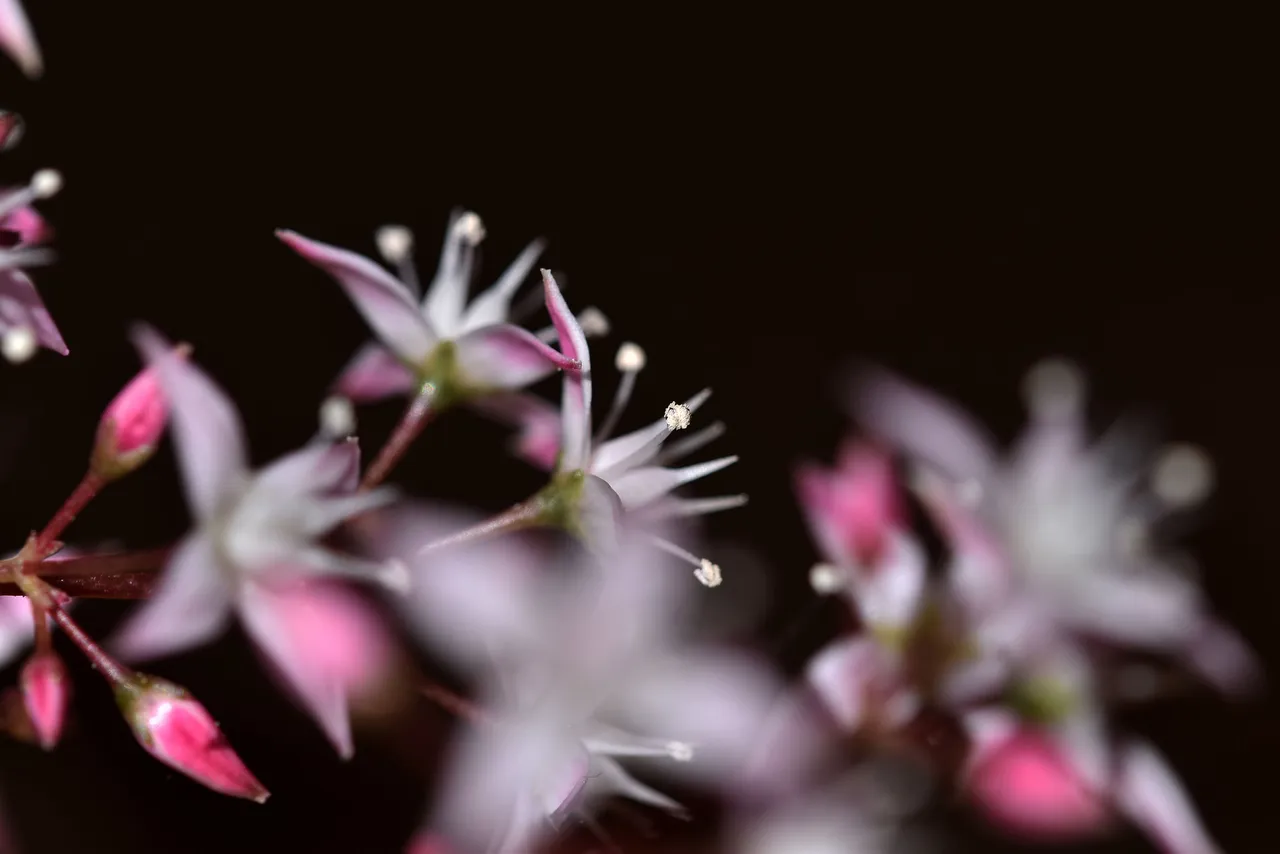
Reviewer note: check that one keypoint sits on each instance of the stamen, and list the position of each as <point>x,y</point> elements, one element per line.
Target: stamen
<point>826,579</point>
<point>629,361</point>
<point>594,323</point>
<point>43,184</point>
<point>1183,475</point>
<point>470,228</point>
<point>704,570</point>
<point>19,344</point>
<point>337,417</point>
<point>395,244</point>
<point>678,416</point>
<point>1054,389</point>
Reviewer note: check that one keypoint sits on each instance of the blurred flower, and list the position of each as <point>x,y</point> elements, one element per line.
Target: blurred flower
<point>173,727</point>
<point>255,545</point>
<point>834,819</point>
<point>580,669</point>
<point>24,321</point>
<point>46,691</point>
<point>464,351</point>
<point>1061,528</point>
<point>17,40</point>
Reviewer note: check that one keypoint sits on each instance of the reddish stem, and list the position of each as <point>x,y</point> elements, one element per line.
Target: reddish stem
<point>135,585</point>
<point>89,487</point>
<point>415,417</point>
<point>526,514</point>
<point>120,563</point>
<point>113,671</point>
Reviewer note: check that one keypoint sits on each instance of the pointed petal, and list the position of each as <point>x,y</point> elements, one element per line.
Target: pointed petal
<point>639,487</point>
<point>205,424</point>
<point>889,594</point>
<point>383,301</point>
<point>374,373</point>
<point>609,779</point>
<point>507,357</point>
<point>17,40</point>
<point>576,406</point>
<point>493,306</point>
<point>20,305</point>
<point>447,293</point>
<point>190,606</point>
<point>322,468</point>
<point>1153,798</point>
<point>308,676</point>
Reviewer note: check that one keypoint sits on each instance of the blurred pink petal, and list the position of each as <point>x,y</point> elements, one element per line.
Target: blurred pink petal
<point>20,305</point>
<point>507,357</point>
<point>383,301</point>
<point>206,426</point>
<point>493,305</point>
<point>374,373</point>
<point>857,681</point>
<point>25,222</point>
<point>17,40</point>
<point>853,508</point>
<point>538,422</point>
<point>576,405</point>
<point>16,627</point>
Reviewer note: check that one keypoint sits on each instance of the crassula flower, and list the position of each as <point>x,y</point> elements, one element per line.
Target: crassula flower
<point>580,671</point>
<point>255,543</point>
<point>25,323</point>
<point>1060,526</point>
<point>17,39</point>
<point>461,350</point>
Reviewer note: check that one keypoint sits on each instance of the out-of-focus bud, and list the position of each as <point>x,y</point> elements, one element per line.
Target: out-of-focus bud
<point>174,728</point>
<point>132,424</point>
<point>45,692</point>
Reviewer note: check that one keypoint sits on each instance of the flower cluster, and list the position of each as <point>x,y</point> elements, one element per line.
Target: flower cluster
<point>989,671</point>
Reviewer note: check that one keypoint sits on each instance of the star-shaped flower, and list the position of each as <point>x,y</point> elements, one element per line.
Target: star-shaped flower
<point>255,545</point>
<point>25,323</point>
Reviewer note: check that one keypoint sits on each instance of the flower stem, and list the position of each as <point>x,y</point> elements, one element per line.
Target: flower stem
<point>415,417</point>
<point>526,514</point>
<point>89,487</point>
<point>135,585</point>
<point>113,671</point>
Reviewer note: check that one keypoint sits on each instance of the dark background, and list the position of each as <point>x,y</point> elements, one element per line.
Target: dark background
<point>754,200</point>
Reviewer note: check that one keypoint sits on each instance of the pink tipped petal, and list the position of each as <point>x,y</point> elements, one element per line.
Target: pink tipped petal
<point>493,305</point>
<point>26,222</point>
<point>855,508</point>
<point>538,441</point>
<point>1149,794</point>
<point>272,619</point>
<point>383,301</point>
<point>17,39</point>
<point>20,305</point>
<point>576,405</point>
<point>373,374</point>
<point>923,425</point>
<point>190,606</point>
<point>206,426</point>
<point>339,632</point>
<point>45,692</point>
<point>507,357</point>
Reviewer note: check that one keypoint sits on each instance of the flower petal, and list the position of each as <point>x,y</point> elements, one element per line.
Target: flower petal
<point>843,674</point>
<point>319,469</point>
<point>20,305</point>
<point>1152,797</point>
<point>205,424</point>
<point>447,293</point>
<point>538,442</point>
<point>374,373</point>
<point>507,357</point>
<point>493,305</point>
<point>639,487</point>
<point>17,40</point>
<point>16,627</point>
<point>639,446</point>
<point>575,446</point>
<point>266,614</point>
<point>383,301</point>
<point>190,606</point>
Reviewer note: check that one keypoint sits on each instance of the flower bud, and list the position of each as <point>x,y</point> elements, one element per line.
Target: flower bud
<point>177,730</point>
<point>132,424</point>
<point>45,692</point>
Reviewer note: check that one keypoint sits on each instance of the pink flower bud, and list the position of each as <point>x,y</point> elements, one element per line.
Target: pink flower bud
<point>132,424</point>
<point>45,691</point>
<point>177,730</point>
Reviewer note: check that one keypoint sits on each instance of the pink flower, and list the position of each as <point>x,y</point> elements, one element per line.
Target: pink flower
<point>46,689</point>
<point>1035,784</point>
<point>17,40</point>
<point>1060,526</point>
<point>464,350</point>
<point>23,316</point>
<point>173,727</point>
<point>132,423</point>
<point>255,545</point>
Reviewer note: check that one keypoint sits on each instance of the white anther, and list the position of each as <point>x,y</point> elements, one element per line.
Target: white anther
<point>593,322</point>
<point>19,344</point>
<point>470,228</point>
<point>1183,475</point>
<point>708,573</point>
<point>45,183</point>
<point>826,579</point>
<point>680,751</point>
<point>337,417</point>
<point>1054,389</point>
<point>395,242</point>
<point>678,415</point>
<point>630,358</point>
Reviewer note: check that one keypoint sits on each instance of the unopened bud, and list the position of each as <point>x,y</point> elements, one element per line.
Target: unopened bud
<point>45,692</point>
<point>132,424</point>
<point>173,727</point>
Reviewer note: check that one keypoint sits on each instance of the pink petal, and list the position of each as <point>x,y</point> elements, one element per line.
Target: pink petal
<point>20,305</point>
<point>319,469</point>
<point>17,40</point>
<point>576,405</point>
<point>16,627</point>
<point>847,676</point>
<point>374,373</point>
<point>272,619</point>
<point>190,606</point>
<point>1152,797</point>
<point>853,509</point>
<point>539,423</point>
<point>507,357</point>
<point>493,305</point>
<point>383,301</point>
<point>31,228</point>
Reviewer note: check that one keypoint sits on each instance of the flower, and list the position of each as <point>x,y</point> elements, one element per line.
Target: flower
<point>173,727</point>
<point>254,546</point>
<point>579,671</point>
<point>132,424</point>
<point>24,320</point>
<point>1060,527</point>
<point>596,479</point>
<point>17,40</point>
<point>464,351</point>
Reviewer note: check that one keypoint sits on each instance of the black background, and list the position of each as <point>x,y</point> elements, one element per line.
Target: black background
<point>754,200</point>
